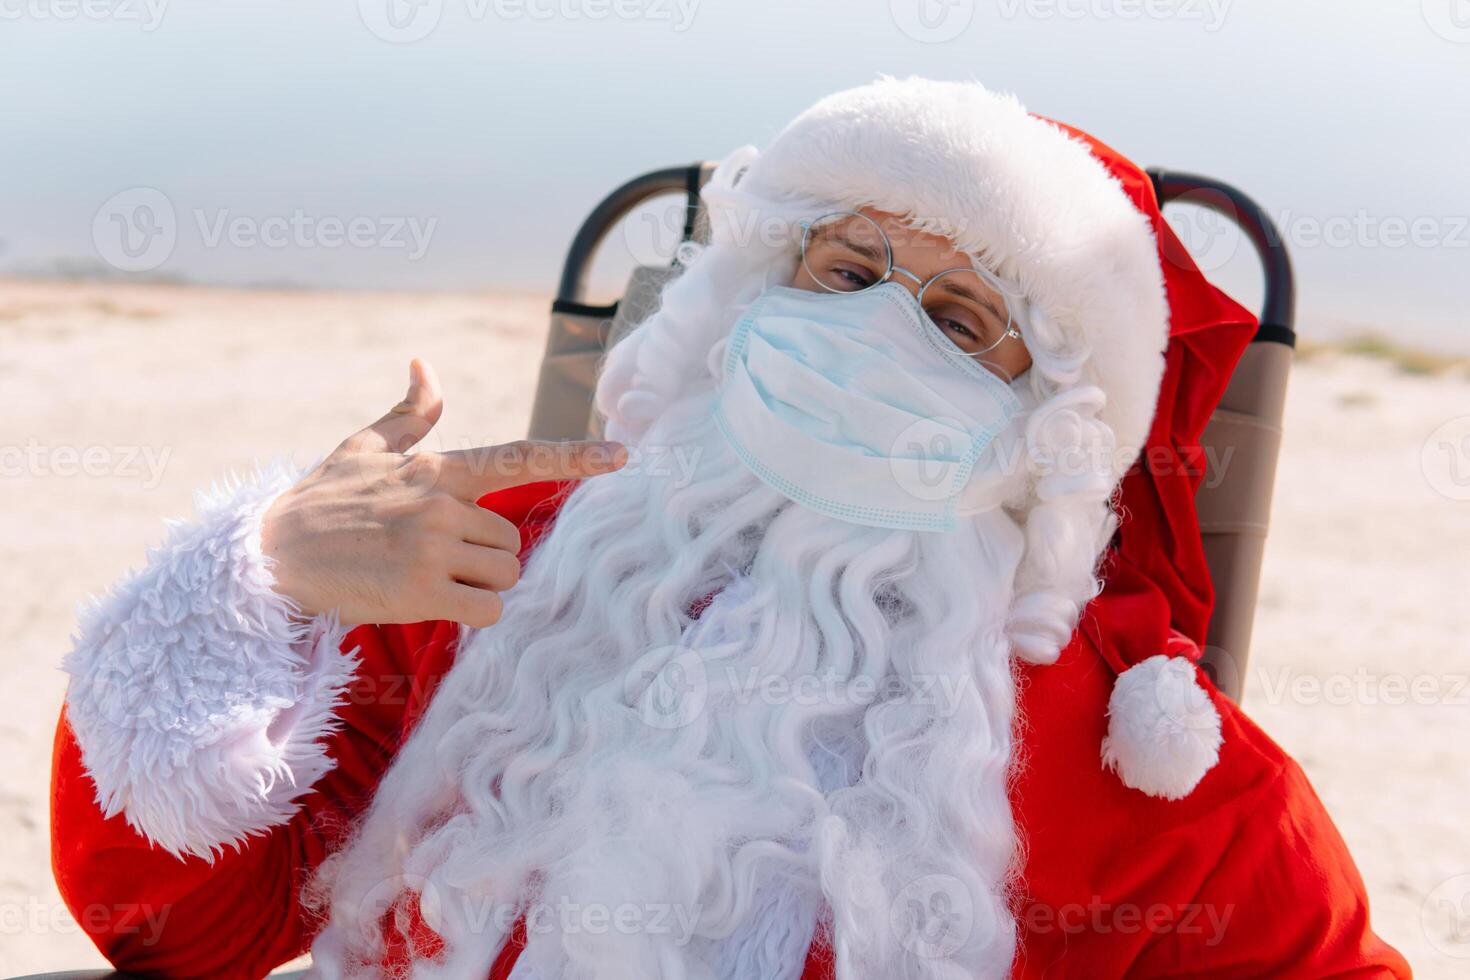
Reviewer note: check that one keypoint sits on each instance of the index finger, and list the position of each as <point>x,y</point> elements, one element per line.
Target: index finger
<point>472,473</point>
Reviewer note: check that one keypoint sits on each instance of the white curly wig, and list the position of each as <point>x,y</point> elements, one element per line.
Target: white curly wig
<point>761,726</point>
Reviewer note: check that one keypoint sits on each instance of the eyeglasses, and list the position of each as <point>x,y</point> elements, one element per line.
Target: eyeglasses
<point>848,252</point>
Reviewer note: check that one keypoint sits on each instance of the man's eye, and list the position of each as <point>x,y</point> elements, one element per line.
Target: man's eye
<point>962,337</point>
<point>963,328</point>
<point>849,278</point>
<point>954,326</point>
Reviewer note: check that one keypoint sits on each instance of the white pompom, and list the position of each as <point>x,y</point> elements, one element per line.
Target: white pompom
<point>1163,729</point>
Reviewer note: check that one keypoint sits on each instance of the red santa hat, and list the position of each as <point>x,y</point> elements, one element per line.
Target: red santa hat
<point>1078,229</point>
<point>1149,622</point>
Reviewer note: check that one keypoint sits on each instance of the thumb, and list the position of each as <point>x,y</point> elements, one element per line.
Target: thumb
<point>408,421</point>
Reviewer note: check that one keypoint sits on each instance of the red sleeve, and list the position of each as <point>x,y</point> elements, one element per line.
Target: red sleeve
<point>242,915</point>
<point>1285,901</point>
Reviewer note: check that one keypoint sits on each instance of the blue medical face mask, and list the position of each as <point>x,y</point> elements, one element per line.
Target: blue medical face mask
<point>855,406</point>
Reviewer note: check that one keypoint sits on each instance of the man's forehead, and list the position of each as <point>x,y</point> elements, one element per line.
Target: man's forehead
<point>904,237</point>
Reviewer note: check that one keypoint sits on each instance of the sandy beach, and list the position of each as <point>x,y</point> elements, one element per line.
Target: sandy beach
<point>125,398</point>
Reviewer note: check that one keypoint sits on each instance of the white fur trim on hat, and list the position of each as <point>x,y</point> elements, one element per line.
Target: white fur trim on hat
<point>1163,729</point>
<point>199,701</point>
<point>1027,198</point>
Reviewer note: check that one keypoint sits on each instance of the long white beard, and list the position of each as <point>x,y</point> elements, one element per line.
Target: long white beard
<point>682,792</point>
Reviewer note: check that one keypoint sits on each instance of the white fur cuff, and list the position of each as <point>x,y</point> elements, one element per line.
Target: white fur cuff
<point>198,698</point>
<point>1163,729</point>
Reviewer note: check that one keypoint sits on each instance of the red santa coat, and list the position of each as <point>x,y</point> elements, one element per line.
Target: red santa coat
<point>1245,877</point>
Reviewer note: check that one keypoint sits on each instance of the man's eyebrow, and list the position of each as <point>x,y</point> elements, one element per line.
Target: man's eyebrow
<point>861,248</point>
<point>965,292</point>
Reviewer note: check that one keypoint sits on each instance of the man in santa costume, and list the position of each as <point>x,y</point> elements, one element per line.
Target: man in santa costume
<point>896,678</point>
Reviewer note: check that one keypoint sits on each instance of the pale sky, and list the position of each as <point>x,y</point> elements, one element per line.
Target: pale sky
<point>460,142</point>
